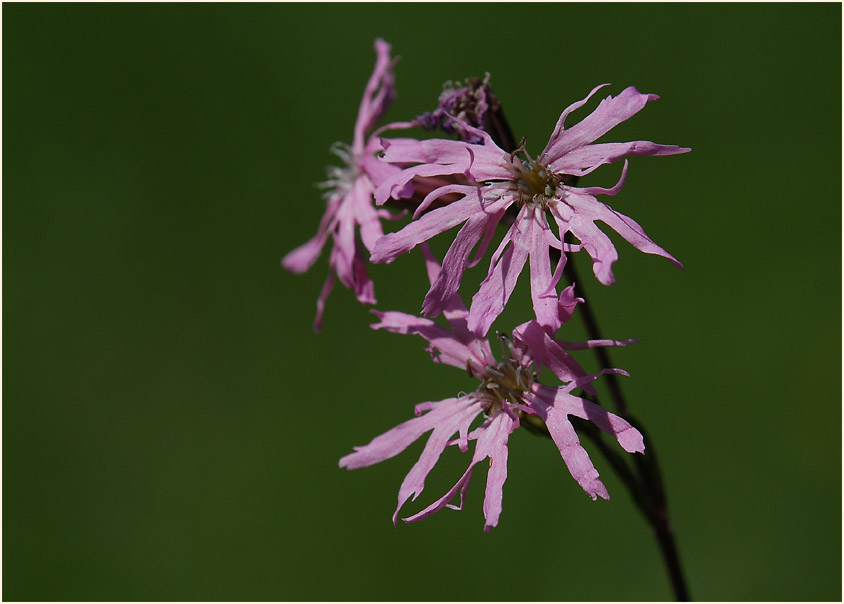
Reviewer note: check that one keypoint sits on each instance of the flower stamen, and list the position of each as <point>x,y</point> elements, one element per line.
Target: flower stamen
<point>505,384</point>
<point>532,182</point>
<point>341,178</point>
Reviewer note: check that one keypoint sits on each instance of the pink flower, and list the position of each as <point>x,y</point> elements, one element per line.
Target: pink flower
<point>508,391</point>
<point>534,189</point>
<point>350,196</point>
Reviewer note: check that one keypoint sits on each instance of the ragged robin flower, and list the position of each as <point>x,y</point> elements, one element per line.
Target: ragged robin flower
<point>349,196</point>
<point>536,189</point>
<point>508,390</point>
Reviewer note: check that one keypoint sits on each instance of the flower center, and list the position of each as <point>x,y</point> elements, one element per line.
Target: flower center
<point>532,181</point>
<point>506,383</point>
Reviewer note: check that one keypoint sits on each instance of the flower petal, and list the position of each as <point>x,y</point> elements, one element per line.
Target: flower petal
<point>456,416</point>
<point>397,439</point>
<point>303,257</point>
<point>491,442</point>
<point>627,436</point>
<point>495,447</point>
<point>596,243</point>
<point>377,96</point>
<point>547,352</point>
<point>444,346</point>
<point>584,160</point>
<point>442,191</point>
<point>392,245</point>
<point>448,280</point>
<point>399,186</point>
<point>323,296</point>
<point>543,291</point>
<point>495,291</point>
<point>481,162</point>
<point>591,209</point>
<point>364,212</point>
<point>456,314</point>
<point>561,122</point>
<point>562,433</point>
<point>609,113</point>
<point>568,302</point>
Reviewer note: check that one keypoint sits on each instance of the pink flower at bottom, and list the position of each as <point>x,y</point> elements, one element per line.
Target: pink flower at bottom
<point>509,389</point>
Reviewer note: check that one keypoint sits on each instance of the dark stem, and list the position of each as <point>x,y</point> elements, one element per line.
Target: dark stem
<point>648,468</point>
<point>650,492</point>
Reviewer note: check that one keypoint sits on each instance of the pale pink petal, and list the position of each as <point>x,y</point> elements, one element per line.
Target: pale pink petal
<point>561,122</point>
<point>593,240</point>
<point>547,352</point>
<point>495,444</point>
<point>428,151</point>
<point>461,412</point>
<point>591,209</point>
<point>584,160</point>
<point>344,251</point>
<point>583,382</point>
<point>628,437</point>
<point>363,287</point>
<point>568,302</point>
<point>456,314</point>
<point>561,264</point>
<point>596,344</point>
<point>444,347</point>
<point>397,185</point>
<point>575,456</point>
<point>614,190</point>
<point>609,113</point>
<point>496,289</point>
<point>397,439</point>
<point>348,263</point>
<point>462,190</point>
<point>377,96</point>
<point>392,245</point>
<point>323,296</point>
<point>303,257</point>
<point>482,162</point>
<point>377,170</point>
<point>491,228</point>
<point>502,245</point>
<point>443,502</point>
<point>454,264</point>
<point>543,291</point>
<point>491,442</point>
<point>364,212</point>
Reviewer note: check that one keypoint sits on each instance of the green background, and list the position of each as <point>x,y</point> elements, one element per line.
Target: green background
<point>172,425</point>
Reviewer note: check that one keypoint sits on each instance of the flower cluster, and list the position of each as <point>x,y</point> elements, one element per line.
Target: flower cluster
<point>482,180</point>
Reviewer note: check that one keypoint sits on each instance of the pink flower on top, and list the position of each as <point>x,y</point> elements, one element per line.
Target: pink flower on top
<point>350,196</point>
<point>509,389</point>
<point>533,189</point>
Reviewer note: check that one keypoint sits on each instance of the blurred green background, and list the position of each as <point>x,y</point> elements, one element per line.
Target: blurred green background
<point>172,425</point>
